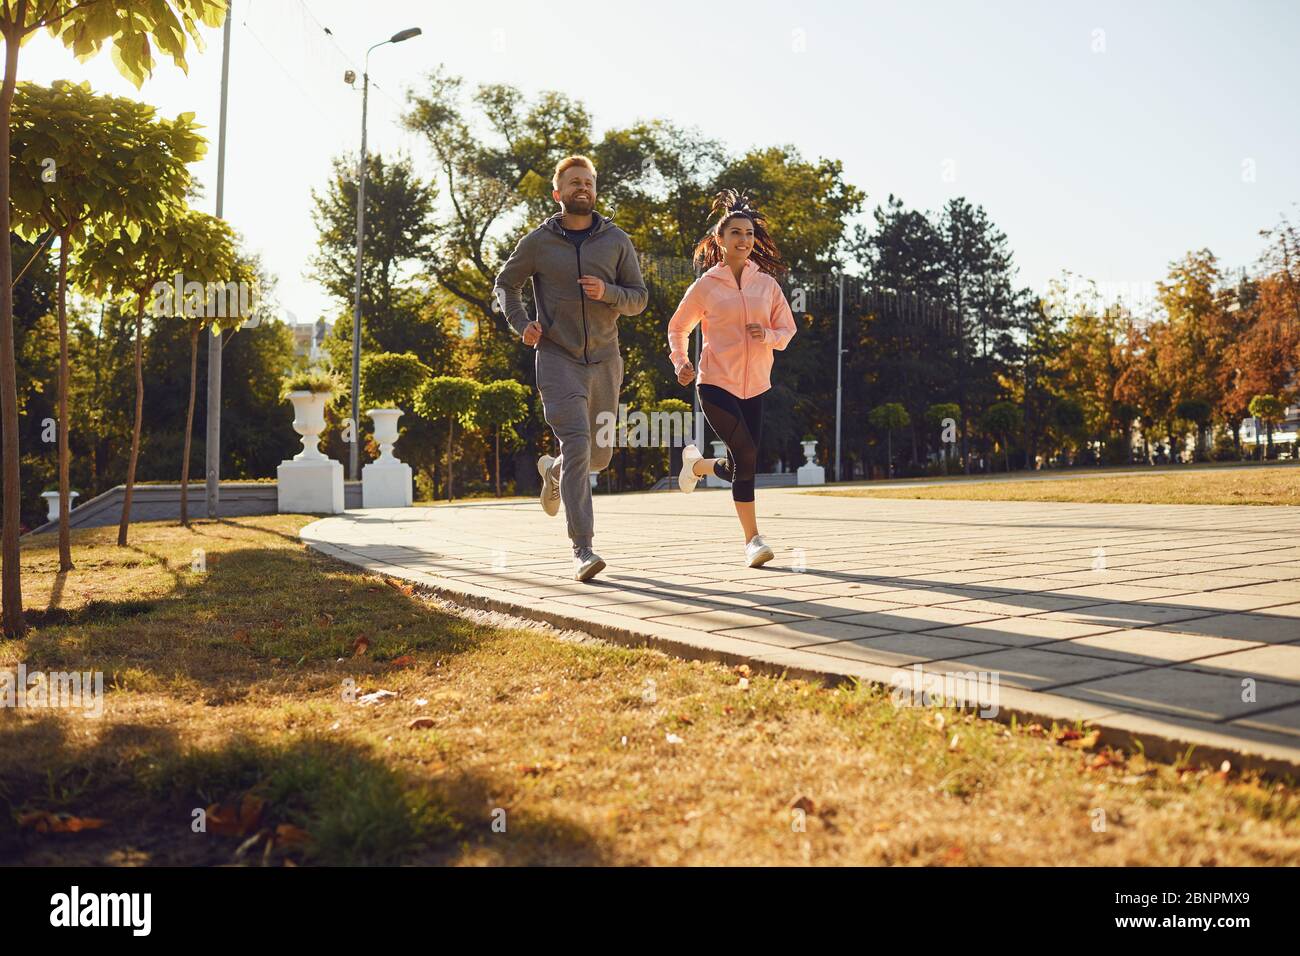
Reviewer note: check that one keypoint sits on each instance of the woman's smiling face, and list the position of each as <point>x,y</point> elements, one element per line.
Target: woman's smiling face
<point>737,238</point>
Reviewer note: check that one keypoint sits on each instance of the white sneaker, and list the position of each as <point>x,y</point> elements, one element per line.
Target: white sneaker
<point>586,565</point>
<point>758,552</point>
<point>688,479</point>
<point>550,496</point>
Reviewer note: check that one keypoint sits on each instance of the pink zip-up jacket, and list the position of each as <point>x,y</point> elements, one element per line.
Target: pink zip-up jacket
<point>729,358</point>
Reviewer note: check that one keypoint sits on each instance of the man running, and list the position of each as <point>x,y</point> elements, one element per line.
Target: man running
<point>585,275</point>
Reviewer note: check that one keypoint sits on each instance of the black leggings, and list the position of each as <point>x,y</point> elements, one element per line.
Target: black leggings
<point>738,422</point>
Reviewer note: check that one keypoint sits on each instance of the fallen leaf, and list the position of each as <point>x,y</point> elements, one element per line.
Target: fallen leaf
<point>43,821</point>
<point>291,837</point>
<point>360,645</point>
<point>223,820</point>
<point>250,812</point>
<point>805,804</point>
<point>537,769</point>
<point>420,723</point>
<point>1078,740</point>
<point>1036,730</point>
<point>403,661</point>
<point>242,636</point>
<point>326,618</point>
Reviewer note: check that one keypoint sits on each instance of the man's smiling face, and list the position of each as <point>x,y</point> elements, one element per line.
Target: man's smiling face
<point>577,192</point>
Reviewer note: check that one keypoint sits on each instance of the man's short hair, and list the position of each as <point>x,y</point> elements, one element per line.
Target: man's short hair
<point>568,161</point>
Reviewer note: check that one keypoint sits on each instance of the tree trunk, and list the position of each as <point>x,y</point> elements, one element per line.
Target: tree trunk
<point>498,469</point>
<point>65,536</point>
<point>11,573</point>
<point>135,430</point>
<point>889,442</point>
<point>189,424</point>
<point>451,432</point>
<point>1006,454</point>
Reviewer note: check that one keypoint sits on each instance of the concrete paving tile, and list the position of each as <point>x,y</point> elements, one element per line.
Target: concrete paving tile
<point>1150,645</point>
<point>719,619</point>
<point>1117,615</point>
<point>1021,631</point>
<point>1180,690</point>
<point>1259,626</point>
<point>1033,669</point>
<point>1278,661</point>
<point>803,633</point>
<point>899,648</point>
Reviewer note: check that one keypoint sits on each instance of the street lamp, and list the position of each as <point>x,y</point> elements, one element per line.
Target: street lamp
<point>354,453</point>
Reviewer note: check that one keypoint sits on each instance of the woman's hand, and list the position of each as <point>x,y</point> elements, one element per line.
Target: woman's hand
<point>686,374</point>
<point>755,330</point>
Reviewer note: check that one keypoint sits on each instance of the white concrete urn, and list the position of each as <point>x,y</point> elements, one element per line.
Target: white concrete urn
<point>310,482</point>
<point>309,422</point>
<point>385,420</point>
<point>810,473</point>
<point>386,482</point>
<point>52,503</point>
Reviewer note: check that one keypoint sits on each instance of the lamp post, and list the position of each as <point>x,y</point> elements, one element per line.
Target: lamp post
<point>212,446</point>
<point>354,451</point>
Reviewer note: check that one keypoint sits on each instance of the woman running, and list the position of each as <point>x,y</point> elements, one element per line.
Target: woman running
<point>745,317</point>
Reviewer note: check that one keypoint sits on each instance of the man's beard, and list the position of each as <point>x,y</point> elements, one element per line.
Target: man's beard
<point>579,207</point>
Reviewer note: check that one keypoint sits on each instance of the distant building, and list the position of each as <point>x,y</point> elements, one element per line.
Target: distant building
<point>308,338</point>
<point>1285,432</point>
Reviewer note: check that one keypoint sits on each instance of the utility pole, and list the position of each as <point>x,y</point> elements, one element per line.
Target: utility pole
<point>839,379</point>
<point>212,445</point>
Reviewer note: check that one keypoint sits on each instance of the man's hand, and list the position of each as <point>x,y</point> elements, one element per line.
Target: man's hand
<point>755,330</point>
<point>686,374</point>
<point>595,288</point>
<point>532,333</point>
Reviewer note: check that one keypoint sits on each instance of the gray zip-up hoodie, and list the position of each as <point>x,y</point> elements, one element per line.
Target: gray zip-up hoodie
<point>585,330</point>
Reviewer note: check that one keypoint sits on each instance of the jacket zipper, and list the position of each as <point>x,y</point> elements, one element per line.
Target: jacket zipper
<point>744,334</point>
<point>577,249</point>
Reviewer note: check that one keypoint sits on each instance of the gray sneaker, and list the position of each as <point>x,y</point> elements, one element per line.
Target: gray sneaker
<point>550,496</point>
<point>586,564</point>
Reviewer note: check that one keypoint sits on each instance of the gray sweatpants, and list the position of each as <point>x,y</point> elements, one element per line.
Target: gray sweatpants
<point>573,395</point>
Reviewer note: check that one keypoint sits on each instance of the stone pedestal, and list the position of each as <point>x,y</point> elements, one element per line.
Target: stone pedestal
<point>311,486</point>
<point>810,473</point>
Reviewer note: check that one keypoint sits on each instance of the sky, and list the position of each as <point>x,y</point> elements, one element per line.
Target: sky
<point>1107,139</point>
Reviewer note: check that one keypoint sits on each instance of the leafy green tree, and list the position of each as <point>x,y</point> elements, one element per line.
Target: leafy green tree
<point>207,256</point>
<point>400,231</point>
<point>1002,419</point>
<point>501,404</point>
<point>888,418</point>
<point>1198,412</point>
<point>84,26</point>
<point>935,416</point>
<point>391,379</point>
<point>136,263</point>
<point>1268,409</point>
<point>452,398</point>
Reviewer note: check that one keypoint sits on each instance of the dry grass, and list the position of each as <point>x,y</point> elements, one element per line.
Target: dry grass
<point>227,684</point>
<point>1242,485</point>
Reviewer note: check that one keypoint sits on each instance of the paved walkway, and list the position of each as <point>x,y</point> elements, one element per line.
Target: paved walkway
<point>1177,624</point>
